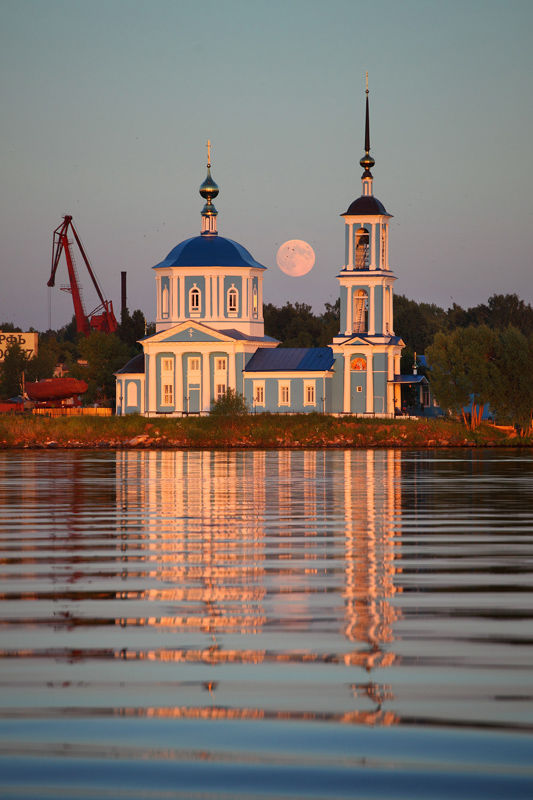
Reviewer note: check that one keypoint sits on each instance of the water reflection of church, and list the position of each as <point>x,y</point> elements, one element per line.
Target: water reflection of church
<point>240,545</point>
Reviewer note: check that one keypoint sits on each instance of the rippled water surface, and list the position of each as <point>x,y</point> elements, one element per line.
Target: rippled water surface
<point>266,625</point>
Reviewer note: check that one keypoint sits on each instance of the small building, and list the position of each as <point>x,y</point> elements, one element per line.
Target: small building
<point>210,329</point>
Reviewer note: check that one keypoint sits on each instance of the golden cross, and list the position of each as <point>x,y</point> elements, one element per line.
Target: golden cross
<point>367,82</point>
<point>208,153</point>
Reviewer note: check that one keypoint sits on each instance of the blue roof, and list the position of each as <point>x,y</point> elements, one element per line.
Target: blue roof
<point>135,364</point>
<point>289,359</point>
<point>209,251</point>
<point>410,379</point>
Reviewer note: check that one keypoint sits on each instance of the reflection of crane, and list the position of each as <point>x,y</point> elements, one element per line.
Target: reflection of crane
<point>102,317</point>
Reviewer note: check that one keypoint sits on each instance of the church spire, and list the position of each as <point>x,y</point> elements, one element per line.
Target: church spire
<point>209,190</point>
<point>367,162</point>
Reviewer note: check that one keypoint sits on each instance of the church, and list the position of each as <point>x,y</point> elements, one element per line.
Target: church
<point>210,330</point>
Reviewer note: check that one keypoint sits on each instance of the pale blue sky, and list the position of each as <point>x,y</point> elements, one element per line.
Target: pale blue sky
<point>106,108</point>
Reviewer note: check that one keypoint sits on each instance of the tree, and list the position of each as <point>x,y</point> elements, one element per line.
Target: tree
<point>11,371</point>
<point>230,404</point>
<point>460,369</point>
<point>104,353</point>
<point>511,391</point>
<point>132,328</point>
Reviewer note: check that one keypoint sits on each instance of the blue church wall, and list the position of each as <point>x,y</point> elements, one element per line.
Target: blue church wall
<point>230,281</point>
<point>344,306</point>
<point>239,366</point>
<point>380,382</point>
<point>190,281</point>
<point>346,244</point>
<point>159,400</point>
<point>357,392</point>
<point>377,248</point>
<point>378,309</point>
<point>335,394</point>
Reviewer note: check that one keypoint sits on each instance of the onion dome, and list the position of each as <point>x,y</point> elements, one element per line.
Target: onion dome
<point>209,251</point>
<point>367,203</point>
<point>209,190</point>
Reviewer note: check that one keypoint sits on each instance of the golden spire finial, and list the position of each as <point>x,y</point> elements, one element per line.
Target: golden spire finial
<point>367,83</point>
<point>208,153</point>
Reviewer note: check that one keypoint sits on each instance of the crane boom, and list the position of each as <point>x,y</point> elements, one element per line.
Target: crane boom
<point>104,321</point>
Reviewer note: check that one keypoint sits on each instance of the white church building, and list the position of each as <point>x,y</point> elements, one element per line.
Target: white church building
<point>210,329</point>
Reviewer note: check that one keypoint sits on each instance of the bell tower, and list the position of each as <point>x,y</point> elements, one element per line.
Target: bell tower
<point>366,279</point>
<point>366,337</point>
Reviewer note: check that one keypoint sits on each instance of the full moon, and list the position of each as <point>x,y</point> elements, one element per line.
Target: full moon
<point>295,258</point>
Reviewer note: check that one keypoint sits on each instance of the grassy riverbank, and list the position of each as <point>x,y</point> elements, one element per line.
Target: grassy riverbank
<point>261,431</point>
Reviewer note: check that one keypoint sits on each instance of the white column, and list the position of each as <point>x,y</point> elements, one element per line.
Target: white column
<point>346,406</point>
<point>178,371</point>
<point>371,312</point>
<point>206,388</point>
<point>208,297</point>
<point>350,264</point>
<point>349,310</point>
<point>182,297</point>
<point>372,234</point>
<point>369,384</point>
<point>151,377</point>
<point>232,373</point>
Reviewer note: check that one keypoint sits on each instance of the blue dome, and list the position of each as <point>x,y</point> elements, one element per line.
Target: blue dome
<point>209,251</point>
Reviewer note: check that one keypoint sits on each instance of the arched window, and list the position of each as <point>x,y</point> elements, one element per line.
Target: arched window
<point>360,312</point>
<point>194,300</point>
<point>362,249</point>
<point>255,300</point>
<point>233,300</point>
<point>358,364</point>
<point>165,302</point>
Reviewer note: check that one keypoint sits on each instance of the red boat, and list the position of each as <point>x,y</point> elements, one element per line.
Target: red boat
<point>55,389</point>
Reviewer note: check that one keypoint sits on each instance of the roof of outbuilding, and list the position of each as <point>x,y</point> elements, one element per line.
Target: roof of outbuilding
<point>135,364</point>
<point>366,204</point>
<point>290,359</point>
<point>209,251</point>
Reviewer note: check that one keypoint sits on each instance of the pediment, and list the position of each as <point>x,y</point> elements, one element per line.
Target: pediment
<point>356,340</point>
<point>189,331</point>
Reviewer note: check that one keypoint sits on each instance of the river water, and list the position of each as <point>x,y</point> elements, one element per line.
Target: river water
<point>252,625</point>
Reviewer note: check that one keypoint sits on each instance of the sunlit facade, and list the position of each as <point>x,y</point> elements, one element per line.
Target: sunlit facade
<point>210,334</point>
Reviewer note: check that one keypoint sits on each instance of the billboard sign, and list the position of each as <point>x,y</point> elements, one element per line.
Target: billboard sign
<point>27,341</point>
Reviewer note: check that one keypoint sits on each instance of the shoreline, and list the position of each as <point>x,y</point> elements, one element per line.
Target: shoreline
<point>264,431</point>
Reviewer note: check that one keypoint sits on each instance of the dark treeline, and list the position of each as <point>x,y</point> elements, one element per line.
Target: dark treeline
<point>295,325</point>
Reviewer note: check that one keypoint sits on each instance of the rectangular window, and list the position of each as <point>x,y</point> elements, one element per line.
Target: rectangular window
<point>220,391</point>
<point>168,394</point>
<point>309,393</point>
<point>359,388</point>
<point>284,394</point>
<point>259,393</point>
<point>194,365</point>
<point>168,365</point>
<point>220,365</point>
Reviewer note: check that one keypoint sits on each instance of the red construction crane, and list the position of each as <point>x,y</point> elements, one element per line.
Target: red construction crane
<point>102,317</point>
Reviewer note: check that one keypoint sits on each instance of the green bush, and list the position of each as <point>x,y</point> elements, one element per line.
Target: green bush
<point>230,404</point>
